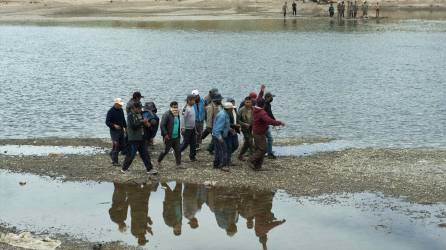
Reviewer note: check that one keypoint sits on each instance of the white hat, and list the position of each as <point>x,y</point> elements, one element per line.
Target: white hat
<point>119,101</point>
<point>228,105</point>
<point>195,92</point>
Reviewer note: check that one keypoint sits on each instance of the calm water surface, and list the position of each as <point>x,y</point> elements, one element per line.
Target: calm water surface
<point>374,84</point>
<point>189,216</point>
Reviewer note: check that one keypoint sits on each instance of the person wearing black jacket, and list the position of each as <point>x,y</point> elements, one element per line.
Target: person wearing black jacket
<point>170,131</point>
<point>115,120</point>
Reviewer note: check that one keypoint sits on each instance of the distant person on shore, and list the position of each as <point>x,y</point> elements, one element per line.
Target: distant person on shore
<point>245,120</point>
<point>284,9</point>
<point>170,131</point>
<point>365,9</point>
<point>294,5</point>
<point>211,113</point>
<point>200,115</point>
<point>342,9</point>
<point>349,8</point>
<point>136,97</point>
<point>220,132</point>
<point>261,122</point>
<point>339,8</point>
<point>115,120</point>
<point>136,141</point>
<point>355,9</point>
<point>331,10</point>
<point>188,130</point>
<point>377,10</point>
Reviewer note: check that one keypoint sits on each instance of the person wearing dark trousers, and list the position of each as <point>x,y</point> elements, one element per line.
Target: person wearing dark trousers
<point>245,121</point>
<point>220,133</point>
<point>232,140</point>
<point>268,100</point>
<point>188,129</point>
<point>294,5</point>
<point>200,115</point>
<point>261,121</point>
<point>211,113</point>
<point>170,131</point>
<point>135,134</point>
<point>115,120</point>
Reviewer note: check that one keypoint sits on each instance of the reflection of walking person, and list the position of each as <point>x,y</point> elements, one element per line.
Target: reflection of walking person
<point>172,207</point>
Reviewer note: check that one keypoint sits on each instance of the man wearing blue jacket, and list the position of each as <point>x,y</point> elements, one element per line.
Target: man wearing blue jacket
<point>116,122</point>
<point>200,115</point>
<point>220,132</point>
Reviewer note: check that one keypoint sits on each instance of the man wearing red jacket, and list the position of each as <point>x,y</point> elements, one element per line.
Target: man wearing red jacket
<point>261,121</point>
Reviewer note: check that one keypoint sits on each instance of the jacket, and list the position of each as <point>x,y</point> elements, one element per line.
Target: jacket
<point>115,116</point>
<point>245,119</point>
<point>212,111</point>
<point>167,122</point>
<point>200,111</point>
<point>135,131</point>
<point>150,132</point>
<point>261,121</point>
<point>221,125</point>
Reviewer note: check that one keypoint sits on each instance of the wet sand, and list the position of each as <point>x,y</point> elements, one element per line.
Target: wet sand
<point>417,175</point>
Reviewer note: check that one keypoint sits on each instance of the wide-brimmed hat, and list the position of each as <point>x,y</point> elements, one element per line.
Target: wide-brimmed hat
<point>228,105</point>
<point>119,101</point>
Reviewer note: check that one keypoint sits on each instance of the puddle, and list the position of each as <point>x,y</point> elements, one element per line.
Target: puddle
<point>27,150</point>
<point>313,148</point>
<point>189,216</point>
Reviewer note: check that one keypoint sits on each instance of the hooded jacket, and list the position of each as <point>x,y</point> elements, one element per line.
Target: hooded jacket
<point>261,121</point>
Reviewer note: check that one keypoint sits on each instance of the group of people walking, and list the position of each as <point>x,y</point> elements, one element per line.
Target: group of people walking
<point>352,9</point>
<point>223,120</point>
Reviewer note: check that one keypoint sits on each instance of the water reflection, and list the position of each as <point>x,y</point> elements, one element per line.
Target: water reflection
<point>186,200</point>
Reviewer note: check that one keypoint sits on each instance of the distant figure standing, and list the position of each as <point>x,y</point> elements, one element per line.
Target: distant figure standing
<point>349,8</point>
<point>365,9</point>
<point>284,9</point>
<point>355,9</point>
<point>294,5</point>
<point>377,9</point>
<point>342,9</point>
<point>339,8</point>
<point>331,10</point>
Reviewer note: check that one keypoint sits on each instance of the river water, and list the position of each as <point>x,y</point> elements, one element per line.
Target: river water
<point>189,216</point>
<point>369,84</point>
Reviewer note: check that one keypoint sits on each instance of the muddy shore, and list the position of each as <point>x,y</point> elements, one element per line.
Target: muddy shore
<point>417,175</point>
<point>134,13</point>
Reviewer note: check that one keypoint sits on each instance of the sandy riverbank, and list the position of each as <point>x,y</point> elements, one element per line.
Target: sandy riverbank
<point>29,11</point>
<point>415,174</point>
